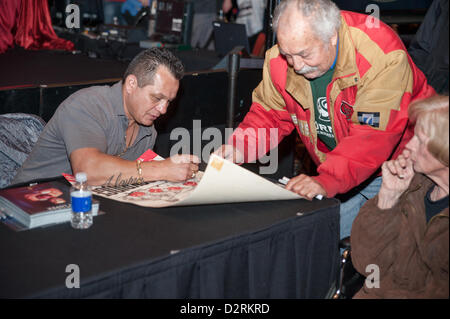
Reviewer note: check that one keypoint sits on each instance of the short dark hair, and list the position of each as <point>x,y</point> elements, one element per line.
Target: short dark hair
<point>145,64</point>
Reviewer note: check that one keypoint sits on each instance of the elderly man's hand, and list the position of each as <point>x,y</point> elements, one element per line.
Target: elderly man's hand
<point>305,186</point>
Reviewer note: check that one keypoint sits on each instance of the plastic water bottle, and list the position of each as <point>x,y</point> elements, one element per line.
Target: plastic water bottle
<point>81,199</point>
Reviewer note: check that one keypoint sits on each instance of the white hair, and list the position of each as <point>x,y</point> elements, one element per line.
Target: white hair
<point>324,16</point>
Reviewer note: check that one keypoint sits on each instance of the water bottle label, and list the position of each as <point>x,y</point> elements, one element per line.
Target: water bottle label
<point>81,203</point>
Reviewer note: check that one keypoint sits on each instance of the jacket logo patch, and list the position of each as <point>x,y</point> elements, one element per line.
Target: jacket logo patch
<point>369,118</point>
<point>302,125</point>
<point>304,128</point>
<point>294,119</point>
<point>347,110</point>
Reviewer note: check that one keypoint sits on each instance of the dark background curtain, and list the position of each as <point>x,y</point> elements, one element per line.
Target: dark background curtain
<point>27,23</point>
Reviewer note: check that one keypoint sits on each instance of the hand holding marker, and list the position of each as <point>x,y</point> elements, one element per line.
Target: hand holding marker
<point>285,180</point>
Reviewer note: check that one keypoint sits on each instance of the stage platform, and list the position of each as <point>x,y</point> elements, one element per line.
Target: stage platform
<point>25,68</point>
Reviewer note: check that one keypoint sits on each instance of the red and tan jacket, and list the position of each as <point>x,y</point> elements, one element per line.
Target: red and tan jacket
<point>374,82</point>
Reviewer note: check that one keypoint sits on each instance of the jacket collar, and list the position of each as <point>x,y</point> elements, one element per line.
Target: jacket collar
<point>414,207</point>
<point>346,71</point>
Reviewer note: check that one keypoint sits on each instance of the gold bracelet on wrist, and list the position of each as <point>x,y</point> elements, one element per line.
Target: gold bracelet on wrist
<point>139,171</point>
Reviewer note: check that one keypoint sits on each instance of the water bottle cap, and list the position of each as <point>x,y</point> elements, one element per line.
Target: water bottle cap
<point>81,177</point>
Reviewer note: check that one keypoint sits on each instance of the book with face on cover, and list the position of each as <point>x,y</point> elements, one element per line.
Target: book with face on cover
<point>38,205</point>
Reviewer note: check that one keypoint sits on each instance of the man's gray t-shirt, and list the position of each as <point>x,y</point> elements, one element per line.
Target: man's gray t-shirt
<point>91,117</point>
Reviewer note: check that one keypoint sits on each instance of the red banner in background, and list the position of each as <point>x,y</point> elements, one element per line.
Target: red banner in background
<point>27,23</point>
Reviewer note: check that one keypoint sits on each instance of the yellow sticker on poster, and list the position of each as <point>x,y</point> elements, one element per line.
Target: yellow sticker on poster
<point>217,164</point>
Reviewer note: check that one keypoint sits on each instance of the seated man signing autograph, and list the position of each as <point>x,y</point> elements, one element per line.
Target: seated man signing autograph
<point>102,130</point>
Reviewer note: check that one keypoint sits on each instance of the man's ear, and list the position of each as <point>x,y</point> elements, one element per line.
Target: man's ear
<point>334,39</point>
<point>131,83</point>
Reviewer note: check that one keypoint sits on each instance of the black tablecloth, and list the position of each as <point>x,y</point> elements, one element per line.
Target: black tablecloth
<point>278,249</point>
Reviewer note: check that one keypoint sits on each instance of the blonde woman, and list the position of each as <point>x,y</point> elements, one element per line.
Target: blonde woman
<point>404,230</point>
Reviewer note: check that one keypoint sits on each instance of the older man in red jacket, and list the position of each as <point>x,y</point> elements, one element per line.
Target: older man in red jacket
<point>344,81</point>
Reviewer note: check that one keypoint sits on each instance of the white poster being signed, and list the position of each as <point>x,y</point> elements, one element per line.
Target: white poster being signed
<point>221,182</point>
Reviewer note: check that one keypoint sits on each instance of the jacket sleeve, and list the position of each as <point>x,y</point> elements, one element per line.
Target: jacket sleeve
<point>373,236</point>
<point>436,258</point>
<point>378,237</point>
<point>267,122</point>
<point>382,100</point>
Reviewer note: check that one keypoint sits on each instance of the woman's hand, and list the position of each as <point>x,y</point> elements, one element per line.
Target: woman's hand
<point>397,175</point>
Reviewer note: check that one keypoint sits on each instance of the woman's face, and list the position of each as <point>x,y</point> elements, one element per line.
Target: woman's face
<point>423,161</point>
